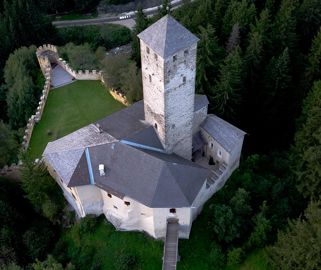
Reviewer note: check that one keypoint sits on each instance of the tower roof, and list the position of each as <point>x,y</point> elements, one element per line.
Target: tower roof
<point>167,36</point>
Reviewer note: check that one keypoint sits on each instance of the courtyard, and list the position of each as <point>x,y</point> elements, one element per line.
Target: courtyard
<point>69,108</point>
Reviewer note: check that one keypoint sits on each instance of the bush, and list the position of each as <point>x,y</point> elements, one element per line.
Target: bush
<point>125,262</point>
<point>217,257</point>
<point>234,256</point>
<point>88,224</point>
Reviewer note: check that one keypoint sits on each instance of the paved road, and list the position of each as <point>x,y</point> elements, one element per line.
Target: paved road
<point>129,22</point>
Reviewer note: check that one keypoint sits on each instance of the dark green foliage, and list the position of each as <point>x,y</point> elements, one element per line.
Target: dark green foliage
<point>88,224</point>
<point>209,57</point>
<point>80,57</point>
<point>234,256</point>
<point>298,246</point>
<point>42,191</point>
<point>23,233</point>
<point>108,36</point>
<point>307,147</point>
<point>141,23</point>
<point>122,74</point>
<point>226,94</point>
<point>125,262</point>
<point>18,20</point>
<point>37,241</point>
<point>22,85</point>
<point>217,257</point>
<point>51,264</point>
<point>8,145</point>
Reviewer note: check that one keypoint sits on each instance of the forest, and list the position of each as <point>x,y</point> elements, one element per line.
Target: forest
<point>259,63</point>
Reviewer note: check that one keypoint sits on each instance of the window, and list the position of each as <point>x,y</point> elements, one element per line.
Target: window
<point>150,78</point>
<point>109,195</point>
<point>147,50</point>
<point>172,210</point>
<point>155,125</point>
<point>174,58</point>
<point>212,145</point>
<point>185,52</point>
<point>184,79</point>
<point>127,203</point>
<point>219,153</point>
<point>156,56</point>
<point>115,207</point>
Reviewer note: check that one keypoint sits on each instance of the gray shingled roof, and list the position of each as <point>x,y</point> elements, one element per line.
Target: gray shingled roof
<point>227,135</point>
<point>167,36</point>
<point>152,178</point>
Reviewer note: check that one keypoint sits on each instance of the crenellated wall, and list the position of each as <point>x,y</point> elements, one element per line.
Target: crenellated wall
<point>47,54</point>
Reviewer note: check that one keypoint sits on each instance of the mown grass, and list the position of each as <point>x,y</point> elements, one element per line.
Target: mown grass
<point>69,108</point>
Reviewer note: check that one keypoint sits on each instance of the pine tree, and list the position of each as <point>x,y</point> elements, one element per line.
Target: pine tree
<point>242,13</point>
<point>141,24</point>
<point>234,39</point>
<point>209,57</point>
<point>298,247</point>
<point>283,30</point>
<point>307,147</point>
<point>226,95</point>
<point>313,70</point>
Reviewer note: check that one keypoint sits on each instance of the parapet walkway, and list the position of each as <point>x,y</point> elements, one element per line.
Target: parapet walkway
<point>171,245</point>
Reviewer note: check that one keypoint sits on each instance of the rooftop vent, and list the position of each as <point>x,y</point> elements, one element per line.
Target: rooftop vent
<point>101,169</point>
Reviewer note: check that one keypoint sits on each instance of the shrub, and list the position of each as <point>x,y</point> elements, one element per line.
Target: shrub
<point>234,256</point>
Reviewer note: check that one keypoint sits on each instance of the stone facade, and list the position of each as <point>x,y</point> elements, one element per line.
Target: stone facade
<point>169,91</point>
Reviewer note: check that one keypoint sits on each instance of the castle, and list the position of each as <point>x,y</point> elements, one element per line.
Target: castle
<point>161,158</point>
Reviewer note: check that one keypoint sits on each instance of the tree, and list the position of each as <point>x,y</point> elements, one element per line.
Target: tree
<point>80,57</point>
<point>313,69</point>
<point>307,147</point>
<point>141,23</point>
<point>241,12</point>
<point>23,85</point>
<point>8,145</point>
<point>209,56</point>
<point>298,246</point>
<point>283,29</point>
<point>51,264</point>
<point>42,190</point>
<point>226,93</point>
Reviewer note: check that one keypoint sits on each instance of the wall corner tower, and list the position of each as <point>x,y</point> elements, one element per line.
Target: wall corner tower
<point>168,55</point>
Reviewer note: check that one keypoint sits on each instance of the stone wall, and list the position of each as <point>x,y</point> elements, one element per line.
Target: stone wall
<point>46,55</point>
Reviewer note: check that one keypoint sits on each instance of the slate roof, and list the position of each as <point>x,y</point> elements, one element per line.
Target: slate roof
<point>152,178</point>
<point>167,36</point>
<point>227,135</point>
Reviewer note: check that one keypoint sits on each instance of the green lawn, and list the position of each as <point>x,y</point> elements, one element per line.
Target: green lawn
<point>69,108</point>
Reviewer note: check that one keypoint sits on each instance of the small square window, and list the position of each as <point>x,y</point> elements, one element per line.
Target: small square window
<point>184,79</point>
<point>115,207</point>
<point>185,52</point>
<point>174,58</point>
<point>147,50</point>
<point>156,56</point>
<point>172,210</point>
<point>219,153</point>
<point>150,78</point>
<point>109,195</point>
<point>212,145</point>
<point>127,203</point>
<point>155,125</point>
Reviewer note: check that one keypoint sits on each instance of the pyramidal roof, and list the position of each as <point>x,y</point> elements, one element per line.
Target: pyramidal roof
<point>167,36</point>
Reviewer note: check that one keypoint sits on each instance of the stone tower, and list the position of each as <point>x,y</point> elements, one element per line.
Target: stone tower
<point>168,55</point>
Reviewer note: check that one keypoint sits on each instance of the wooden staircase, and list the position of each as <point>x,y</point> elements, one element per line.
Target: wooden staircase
<point>171,245</point>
